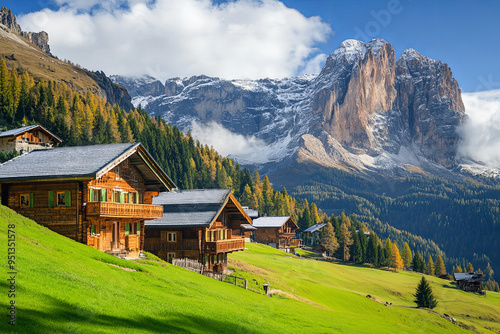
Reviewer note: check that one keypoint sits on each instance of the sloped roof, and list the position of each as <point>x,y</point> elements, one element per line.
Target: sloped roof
<point>84,163</point>
<point>272,221</point>
<point>195,208</point>
<point>467,276</point>
<point>248,227</point>
<point>18,131</point>
<point>315,228</point>
<point>252,213</point>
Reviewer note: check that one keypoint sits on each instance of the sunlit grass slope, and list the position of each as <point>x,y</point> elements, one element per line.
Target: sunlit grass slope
<point>343,290</point>
<point>65,287</point>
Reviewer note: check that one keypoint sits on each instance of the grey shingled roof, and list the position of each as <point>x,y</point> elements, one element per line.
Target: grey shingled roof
<point>62,162</point>
<point>270,221</point>
<point>467,276</point>
<point>18,131</point>
<point>189,208</point>
<point>248,227</point>
<point>251,212</point>
<point>315,227</point>
<point>83,162</point>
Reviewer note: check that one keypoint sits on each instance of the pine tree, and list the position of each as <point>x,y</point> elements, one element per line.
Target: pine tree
<point>371,249</point>
<point>389,256</point>
<point>345,242</point>
<point>406,255</point>
<point>397,260</point>
<point>429,268</point>
<point>356,249</point>
<point>418,263</point>
<point>328,240</point>
<point>440,268</point>
<point>424,296</point>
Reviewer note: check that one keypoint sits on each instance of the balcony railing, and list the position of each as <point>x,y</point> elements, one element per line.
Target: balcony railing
<point>123,210</point>
<point>186,244</point>
<point>287,235</point>
<point>228,245</point>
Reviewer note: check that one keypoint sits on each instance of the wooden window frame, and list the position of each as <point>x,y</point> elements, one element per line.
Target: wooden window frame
<point>26,200</point>
<point>117,173</point>
<point>170,257</point>
<point>170,234</point>
<point>58,204</point>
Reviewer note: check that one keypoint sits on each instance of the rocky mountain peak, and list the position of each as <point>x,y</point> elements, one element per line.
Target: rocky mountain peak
<point>40,39</point>
<point>364,109</point>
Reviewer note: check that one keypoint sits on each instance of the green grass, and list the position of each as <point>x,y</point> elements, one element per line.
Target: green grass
<point>342,289</point>
<point>66,287</point>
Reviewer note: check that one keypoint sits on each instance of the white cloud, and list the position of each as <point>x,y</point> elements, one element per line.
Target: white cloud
<point>227,143</point>
<point>481,132</point>
<point>168,38</point>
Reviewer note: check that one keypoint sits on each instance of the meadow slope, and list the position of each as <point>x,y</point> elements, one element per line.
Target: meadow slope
<point>66,287</point>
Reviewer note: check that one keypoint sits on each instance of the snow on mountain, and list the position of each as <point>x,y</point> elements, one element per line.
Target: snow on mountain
<point>364,111</point>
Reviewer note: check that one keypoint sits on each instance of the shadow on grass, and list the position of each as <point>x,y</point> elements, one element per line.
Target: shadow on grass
<point>59,316</point>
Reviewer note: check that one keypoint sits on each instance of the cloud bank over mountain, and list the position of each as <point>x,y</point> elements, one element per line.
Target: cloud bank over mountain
<point>481,131</point>
<point>169,38</point>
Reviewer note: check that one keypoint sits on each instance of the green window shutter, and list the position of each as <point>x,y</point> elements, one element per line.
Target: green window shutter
<point>51,199</point>
<point>138,228</point>
<point>92,230</point>
<point>67,198</point>
<point>122,197</point>
<point>32,197</point>
<point>103,195</point>
<point>91,195</point>
<point>127,228</point>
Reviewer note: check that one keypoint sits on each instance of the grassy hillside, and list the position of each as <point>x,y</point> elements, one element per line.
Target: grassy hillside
<point>343,289</point>
<point>63,286</point>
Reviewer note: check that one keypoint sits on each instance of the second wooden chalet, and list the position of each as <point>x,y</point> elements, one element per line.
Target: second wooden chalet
<point>99,195</point>
<point>27,139</point>
<point>470,282</point>
<point>203,225</point>
<point>312,235</point>
<point>277,232</point>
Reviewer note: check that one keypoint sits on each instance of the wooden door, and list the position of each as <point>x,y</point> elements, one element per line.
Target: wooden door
<point>116,236</point>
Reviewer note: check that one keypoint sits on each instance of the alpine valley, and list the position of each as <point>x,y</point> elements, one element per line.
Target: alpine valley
<point>370,134</point>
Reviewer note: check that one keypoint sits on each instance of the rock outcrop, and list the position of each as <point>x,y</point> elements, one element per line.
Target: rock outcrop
<point>365,110</point>
<point>40,39</point>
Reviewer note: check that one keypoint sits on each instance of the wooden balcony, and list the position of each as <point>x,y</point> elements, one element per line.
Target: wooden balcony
<point>183,245</point>
<point>287,235</point>
<point>122,210</point>
<point>224,246</point>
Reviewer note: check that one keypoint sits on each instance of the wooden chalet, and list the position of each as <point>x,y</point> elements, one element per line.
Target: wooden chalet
<point>203,225</point>
<point>470,282</point>
<point>312,235</point>
<point>99,195</point>
<point>27,139</point>
<point>278,232</point>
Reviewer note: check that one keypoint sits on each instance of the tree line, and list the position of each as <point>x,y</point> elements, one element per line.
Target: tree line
<point>84,119</point>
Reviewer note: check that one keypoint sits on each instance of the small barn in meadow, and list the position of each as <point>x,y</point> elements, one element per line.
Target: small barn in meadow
<point>202,224</point>
<point>277,232</point>
<point>470,282</point>
<point>27,139</point>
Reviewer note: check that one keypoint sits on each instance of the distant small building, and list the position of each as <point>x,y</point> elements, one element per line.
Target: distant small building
<point>277,232</point>
<point>312,235</point>
<point>202,225</point>
<point>470,282</point>
<point>252,213</point>
<point>27,139</point>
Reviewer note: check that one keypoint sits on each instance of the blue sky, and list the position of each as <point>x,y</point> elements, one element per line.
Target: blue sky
<point>464,34</point>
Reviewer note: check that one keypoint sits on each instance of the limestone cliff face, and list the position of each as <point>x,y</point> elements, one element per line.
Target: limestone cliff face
<point>358,82</point>
<point>365,110</point>
<point>369,102</point>
<point>431,104</point>
<point>40,39</point>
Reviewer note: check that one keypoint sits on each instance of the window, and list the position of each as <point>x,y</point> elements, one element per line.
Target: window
<point>59,198</point>
<point>117,173</point>
<point>93,229</point>
<point>26,200</point>
<point>133,198</point>
<point>172,237</point>
<point>171,257</point>
<point>95,195</point>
